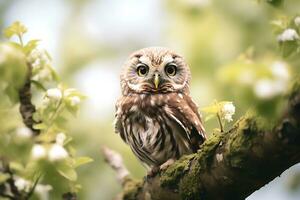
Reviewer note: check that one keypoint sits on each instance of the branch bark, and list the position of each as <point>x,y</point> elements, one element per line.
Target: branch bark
<point>27,109</point>
<point>116,162</point>
<point>231,165</point>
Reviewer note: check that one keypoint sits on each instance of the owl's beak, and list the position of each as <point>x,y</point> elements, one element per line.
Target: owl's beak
<point>156,80</point>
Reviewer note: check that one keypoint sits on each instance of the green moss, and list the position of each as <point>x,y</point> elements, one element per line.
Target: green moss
<point>131,189</point>
<point>295,89</point>
<point>174,172</point>
<point>206,153</point>
<point>246,133</point>
<point>190,186</point>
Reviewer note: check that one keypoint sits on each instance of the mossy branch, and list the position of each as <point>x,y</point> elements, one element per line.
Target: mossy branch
<point>231,165</point>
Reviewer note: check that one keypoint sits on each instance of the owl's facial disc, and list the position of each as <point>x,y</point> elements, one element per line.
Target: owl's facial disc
<point>156,70</point>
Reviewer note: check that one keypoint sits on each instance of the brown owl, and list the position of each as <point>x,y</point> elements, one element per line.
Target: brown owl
<point>155,115</point>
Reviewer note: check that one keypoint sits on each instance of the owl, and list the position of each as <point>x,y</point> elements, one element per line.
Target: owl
<point>155,114</point>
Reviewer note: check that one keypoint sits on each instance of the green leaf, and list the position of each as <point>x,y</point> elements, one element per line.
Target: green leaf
<point>61,122</point>
<point>215,108</point>
<point>211,109</point>
<point>38,85</point>
<point>82,160</point>
<point>12,93</point>
<point>54,75</point>
<point>66,171</point>
<point>209,117</point>
<point>32,44</point>
<point>275,3</point>
<point>72,109</point>
<point>40,126</point>
<point>3,177</point>
<point>13,66</point>
<point>15,29</point>
<point>33,168</point>
<point>288,48</point>
<point>16,166</point>
<point>68,140</point>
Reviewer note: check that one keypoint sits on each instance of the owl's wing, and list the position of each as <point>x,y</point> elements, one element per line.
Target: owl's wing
<point>118,123</point>
<point>194,109</point>
<point>185,112</point>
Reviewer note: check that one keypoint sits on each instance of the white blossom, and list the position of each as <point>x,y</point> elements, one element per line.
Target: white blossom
<point>43,74</point>
<point>24,132</point>
<point>45,102</point>
<point>57,152</point>
<point>34,55</point>
<point>297,21</point>
<point>38,151</point>
<point>74,101</point>
<point>60,139</point>
<point>288,35</point>
<point>43,191</point>
<point>54,94</point>
<point>39,61</point>
<point>267,88</point>
<point>22,184</point>
<point>280,71</point>
<point>38,57</point>
<point>36,65</point>
<point>228,111</point>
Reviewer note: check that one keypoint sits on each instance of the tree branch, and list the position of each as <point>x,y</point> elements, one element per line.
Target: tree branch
<point>16,194</point>
<point>116,162</point>
<point>231,165</point>
<point>27,109</point>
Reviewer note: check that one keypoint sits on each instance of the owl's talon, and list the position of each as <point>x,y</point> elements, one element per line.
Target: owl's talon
<point>165,165</point>
<point>155,170</point>
<point>152,172</point>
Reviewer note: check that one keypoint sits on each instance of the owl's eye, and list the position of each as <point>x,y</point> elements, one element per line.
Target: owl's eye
<point>142,69</point>
<point>171,69</point>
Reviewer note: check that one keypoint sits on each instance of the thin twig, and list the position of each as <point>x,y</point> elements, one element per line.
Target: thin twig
<point>30,193</point>
<point>115,160</point>
<point>220,123</point>
<point>20,40</point>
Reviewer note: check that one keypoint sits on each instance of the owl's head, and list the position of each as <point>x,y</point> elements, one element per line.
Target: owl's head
<point>155,70</point>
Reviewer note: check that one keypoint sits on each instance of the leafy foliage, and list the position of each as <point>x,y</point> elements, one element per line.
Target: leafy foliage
<point>288,30</point>
<point>49,158</point>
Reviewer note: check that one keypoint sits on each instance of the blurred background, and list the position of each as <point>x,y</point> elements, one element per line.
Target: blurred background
<point>230,46</point>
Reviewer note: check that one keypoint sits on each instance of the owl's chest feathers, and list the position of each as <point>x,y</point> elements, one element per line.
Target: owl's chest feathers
<point>150,132</point>
<point>144,116</point>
